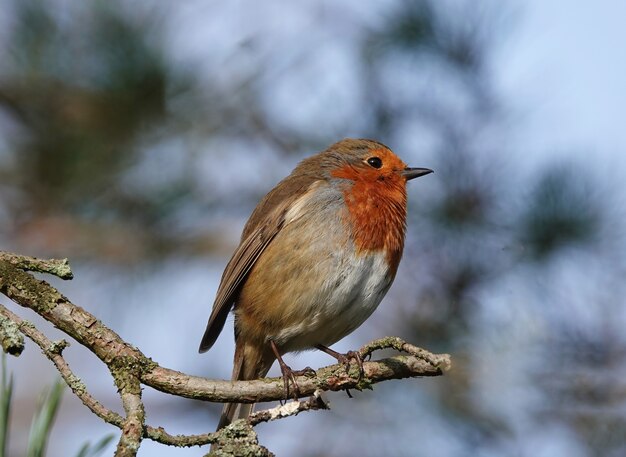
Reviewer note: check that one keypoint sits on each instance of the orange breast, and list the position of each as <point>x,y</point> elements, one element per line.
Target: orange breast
<point>377,212</point>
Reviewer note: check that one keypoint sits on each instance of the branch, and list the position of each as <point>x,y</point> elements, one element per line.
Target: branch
<point>333,378</point>
<point>130,367</point>
<point>134,424</point>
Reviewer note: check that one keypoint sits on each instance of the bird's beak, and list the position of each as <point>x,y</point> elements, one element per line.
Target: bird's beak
<point>410,173</point>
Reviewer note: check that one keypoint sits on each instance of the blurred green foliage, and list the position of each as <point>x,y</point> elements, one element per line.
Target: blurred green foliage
<point>6,393</point>
<point>81,95</point>
<point>96,449</point>
<point>84,98</point>
<point>41,427</point>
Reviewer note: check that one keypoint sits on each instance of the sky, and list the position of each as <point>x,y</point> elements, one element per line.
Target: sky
<point>571,84</point>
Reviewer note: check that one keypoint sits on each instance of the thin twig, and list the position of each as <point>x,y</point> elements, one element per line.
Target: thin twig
<point>292,408</point>
<point>440,361</point>
<point>52,350</point>
<point>57,267</point>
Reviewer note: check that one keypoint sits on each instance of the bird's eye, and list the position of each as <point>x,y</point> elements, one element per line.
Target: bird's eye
<point>375,162</point>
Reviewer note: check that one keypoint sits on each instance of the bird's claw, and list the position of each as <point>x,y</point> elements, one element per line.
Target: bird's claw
<point>352,355</point>
<point>345,359</point>
<point>289,375</point>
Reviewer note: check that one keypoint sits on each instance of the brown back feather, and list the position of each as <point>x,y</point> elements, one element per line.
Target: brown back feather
<point>265,222</point>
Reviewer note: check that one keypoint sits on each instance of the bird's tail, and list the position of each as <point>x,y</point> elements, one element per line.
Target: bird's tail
<point>251,362</point>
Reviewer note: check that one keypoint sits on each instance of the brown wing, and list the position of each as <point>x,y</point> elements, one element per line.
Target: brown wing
<point>264,223</point>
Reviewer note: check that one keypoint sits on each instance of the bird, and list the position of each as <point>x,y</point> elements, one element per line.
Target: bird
<point>316,257</point>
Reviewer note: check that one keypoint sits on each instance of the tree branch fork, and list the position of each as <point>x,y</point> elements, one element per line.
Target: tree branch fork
<point>131,369</point>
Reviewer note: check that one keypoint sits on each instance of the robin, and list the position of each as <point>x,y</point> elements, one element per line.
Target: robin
<point>316,257</point>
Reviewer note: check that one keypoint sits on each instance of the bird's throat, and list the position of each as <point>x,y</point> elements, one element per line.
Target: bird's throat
<point>377,213</point>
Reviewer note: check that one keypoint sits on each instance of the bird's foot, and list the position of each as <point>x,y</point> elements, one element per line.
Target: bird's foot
<point>289,375</point>
<point>345,358</point>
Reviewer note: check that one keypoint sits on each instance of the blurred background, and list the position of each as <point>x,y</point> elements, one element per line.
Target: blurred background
<point>137,137</point>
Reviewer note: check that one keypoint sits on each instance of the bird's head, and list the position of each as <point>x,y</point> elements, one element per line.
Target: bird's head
<point>368,161</point>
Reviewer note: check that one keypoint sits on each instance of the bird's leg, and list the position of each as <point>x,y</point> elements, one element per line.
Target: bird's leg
<point>345,358</point>
<point>289,374</point>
